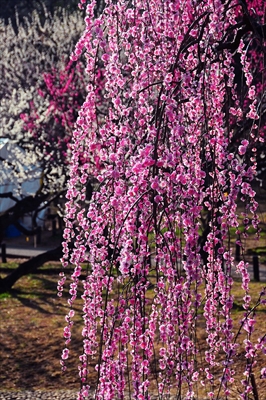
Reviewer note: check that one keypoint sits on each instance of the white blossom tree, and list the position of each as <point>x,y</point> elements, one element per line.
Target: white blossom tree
<point>40,94</point>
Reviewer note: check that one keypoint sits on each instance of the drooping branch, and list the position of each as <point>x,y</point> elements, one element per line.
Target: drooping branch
<point>172,165</point>
<point>248,25</point>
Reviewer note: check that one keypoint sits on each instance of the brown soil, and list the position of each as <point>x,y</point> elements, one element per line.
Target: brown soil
<point>31,337</point>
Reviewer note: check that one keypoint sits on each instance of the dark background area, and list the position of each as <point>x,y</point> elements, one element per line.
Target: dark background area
<point>17,10</point>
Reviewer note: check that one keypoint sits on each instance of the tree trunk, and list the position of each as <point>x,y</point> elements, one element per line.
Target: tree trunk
<point>29,267</point>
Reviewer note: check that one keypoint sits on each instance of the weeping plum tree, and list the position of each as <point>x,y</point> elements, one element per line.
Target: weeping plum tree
<point>170,130</point>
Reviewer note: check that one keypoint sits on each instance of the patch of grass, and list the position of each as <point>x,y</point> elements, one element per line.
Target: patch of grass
<point>33,282</point>
<point>257,250</point>
<point>4,296</point>
<point>263,234</point>
<point>255,288</point>
<point>9,265</point>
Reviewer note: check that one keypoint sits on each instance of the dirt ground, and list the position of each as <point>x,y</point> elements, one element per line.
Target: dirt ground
<point>31,336</point>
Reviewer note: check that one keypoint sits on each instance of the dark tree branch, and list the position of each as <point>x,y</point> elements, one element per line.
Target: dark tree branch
<point>22,207</point>
<point>25,231</point>
<point>8,195</point>
<point>233,46</point>
<point>248,24</point>
<point>29,267</point>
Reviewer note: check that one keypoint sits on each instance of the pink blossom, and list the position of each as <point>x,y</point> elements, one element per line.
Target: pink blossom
<point>169,178</point>
<point>65,354</point>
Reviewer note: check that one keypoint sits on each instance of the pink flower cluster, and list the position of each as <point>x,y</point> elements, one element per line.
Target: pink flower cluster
<point>157,135</point>
<point>50,126</point>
